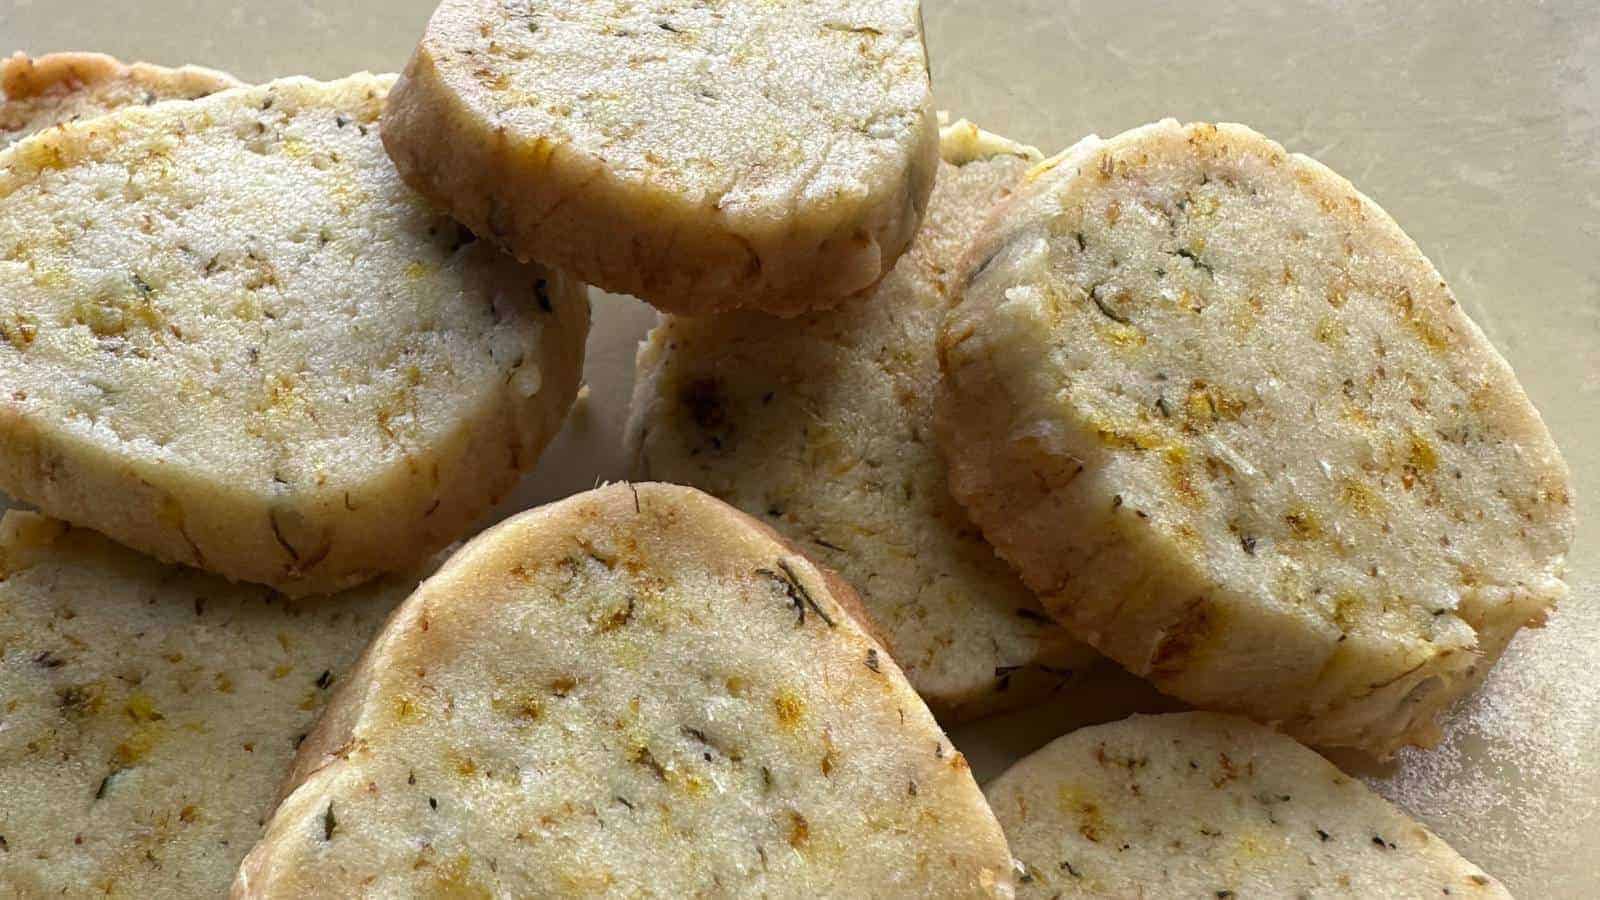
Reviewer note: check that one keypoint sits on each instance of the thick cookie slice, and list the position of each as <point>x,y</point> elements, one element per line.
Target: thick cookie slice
<point>230,336</point>
<point>150,712</point>
<point>38,92</point>
<point>1203,805</point>
<point>823,427</point>
<point>704,157</point>
<point>635,691</point>
<point>1226,418</point>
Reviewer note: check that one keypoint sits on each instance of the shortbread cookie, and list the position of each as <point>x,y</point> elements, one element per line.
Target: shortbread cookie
<point>1226,418</point>
<point>38,92</point>
<point>150,712</point>
<point>823,427</point>
<point>231,337</point>
<point>704,157</point>
<point>635,691</point>
<point>1202,805</point>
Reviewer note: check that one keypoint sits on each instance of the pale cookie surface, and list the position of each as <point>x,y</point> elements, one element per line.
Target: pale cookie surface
<point>702,156</point>
<point>823,427</point>
<point>637,691</point>
<point>38,92</point>
<point>231,337</point>
<point>150,712</point>
<point>1229,422</point>
<point>1204,805</point>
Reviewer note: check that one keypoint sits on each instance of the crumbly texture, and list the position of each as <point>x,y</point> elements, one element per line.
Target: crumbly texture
<point>231,337</point>
<point>150,712</point>
<point>704,157</point>
<point>823,427</point>
<point>1204,805</point>
<point>637,691</point>
<point>1227,419</point>
<point>38,92</point>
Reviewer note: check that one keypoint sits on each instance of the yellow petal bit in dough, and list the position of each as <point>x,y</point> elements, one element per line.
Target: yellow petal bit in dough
<point>701,156</point>
<point>230,336</point>
<point>636,691</point>
<point>1222,413</point>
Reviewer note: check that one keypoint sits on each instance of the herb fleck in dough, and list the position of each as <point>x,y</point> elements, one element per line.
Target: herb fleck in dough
<point>701,156</point>
<point>1205,805</point>
<point>635,691</point>
<point>231,337</point>
<point>823,427</point>
<point>1228,420</point>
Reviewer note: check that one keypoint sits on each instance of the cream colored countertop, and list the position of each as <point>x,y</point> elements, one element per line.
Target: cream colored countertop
<point>1477,125</point>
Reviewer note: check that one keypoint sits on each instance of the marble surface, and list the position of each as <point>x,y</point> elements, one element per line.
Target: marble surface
<point>1476,124</point>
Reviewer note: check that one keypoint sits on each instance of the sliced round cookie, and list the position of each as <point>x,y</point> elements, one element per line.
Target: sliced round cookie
<point>1206,805</point>
<point>1228,421</point>
<point>38,92</point>
<point>823,427</point>
<point>704,157</point>
<point>150,711</point>
<point>635,691</point>
<point>231,337</point>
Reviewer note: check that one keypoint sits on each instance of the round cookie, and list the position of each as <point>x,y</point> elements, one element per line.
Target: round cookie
<point>1204,805</point>
<point>151,711</point>
<point>703,157</point>
<point>231,337</point>
<point>822,427</point>
<point>38,92</point>
<point>634,691</point>
<point>1228,421</point>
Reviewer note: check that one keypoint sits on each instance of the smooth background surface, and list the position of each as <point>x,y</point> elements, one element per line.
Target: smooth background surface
<point>1477,125</point>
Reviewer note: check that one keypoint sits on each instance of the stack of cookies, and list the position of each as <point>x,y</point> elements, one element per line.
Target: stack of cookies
<point>931,427</point>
